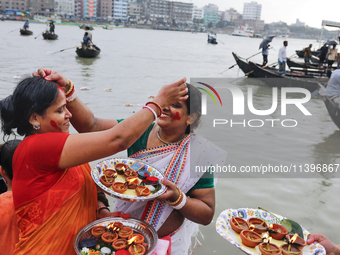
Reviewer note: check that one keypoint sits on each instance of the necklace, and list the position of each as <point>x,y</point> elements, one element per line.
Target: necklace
<point>159,137</point>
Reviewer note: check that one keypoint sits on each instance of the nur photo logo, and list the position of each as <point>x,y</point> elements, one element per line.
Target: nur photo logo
<point>204,97</point>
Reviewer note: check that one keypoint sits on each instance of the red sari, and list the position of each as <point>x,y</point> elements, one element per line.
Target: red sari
<point>49,222</point>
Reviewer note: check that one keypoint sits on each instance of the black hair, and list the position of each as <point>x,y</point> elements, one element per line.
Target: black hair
<point>86,33</point>
<point>32,95</point>
<point>284,42</point>
<point>6,156</point>
<point>193,104</point>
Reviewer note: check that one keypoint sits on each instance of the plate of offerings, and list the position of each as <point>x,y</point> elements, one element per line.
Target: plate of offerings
<point>115,235</point>
<point>259,232</point>
<point>128,179</point>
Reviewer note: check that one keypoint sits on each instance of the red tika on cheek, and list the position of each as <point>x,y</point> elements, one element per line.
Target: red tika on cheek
<point>176,117</point>
<point>53,124</point>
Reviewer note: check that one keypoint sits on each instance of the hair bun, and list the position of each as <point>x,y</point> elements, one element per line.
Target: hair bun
<point>7,114</point>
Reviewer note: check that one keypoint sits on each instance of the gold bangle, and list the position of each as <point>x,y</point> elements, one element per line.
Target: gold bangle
<point>71,88</point>
<point>178,199</point>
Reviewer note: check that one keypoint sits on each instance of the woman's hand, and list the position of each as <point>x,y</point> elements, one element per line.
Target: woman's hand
<point>171,193</point>
<point>331,248</point>
<point>172,93</point>
<point>54,76</point>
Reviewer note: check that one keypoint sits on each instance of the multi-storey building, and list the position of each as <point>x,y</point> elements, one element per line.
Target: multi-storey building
<point>252,10</point>
<point>104,8</point>
<point>89,8</point>
<point>119,10</point>
<point>78,8</point>
<point>158,10</point>
<point>20,5</point>
<point>230,15</point>
<point>41,6</point>
<point>211,17</point>
<point>64,7</point>
<point>134,11</point>
<point>210,8</point>
<point>181,13</point>
<point>197,13</point>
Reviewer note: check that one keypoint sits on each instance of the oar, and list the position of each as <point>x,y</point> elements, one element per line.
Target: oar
<point>257,54</point>
<point>64,49</point>
<point>221,41</point>
<point>228,68</point>
<point>13,30</point>
<point>38,35</point>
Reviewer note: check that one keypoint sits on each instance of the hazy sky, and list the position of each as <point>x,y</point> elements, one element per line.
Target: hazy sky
<point>312,12</point>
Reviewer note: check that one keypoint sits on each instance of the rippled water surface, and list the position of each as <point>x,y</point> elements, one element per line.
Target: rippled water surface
<point>134,64</point>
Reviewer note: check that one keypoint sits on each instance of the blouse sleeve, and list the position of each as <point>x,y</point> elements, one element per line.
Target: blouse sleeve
<point>45,150</point>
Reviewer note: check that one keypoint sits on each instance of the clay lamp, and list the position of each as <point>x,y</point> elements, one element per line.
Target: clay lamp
<point>120,244</point>
<point>109,237</point>
<point>238,224</point>
<point>142,191</point>
<point>121,167</point>
<point>114,227</point>
<point>129,173</point>
<point>97,231</point>
<point>119,187</point>
<point>107,180</point>
<point>125,232</point>
<point>110,173</point>
<point>277,231</point>
<point>137,239</point>
<point>250,238</point>
<point>298,241</point>
<point>290,249</point>
<point>260,225</point>
<point>137,249</point>
<point>267,248</point>
<point>132,182</point>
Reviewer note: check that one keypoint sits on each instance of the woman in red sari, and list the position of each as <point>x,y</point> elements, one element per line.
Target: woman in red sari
<point>53,192</point>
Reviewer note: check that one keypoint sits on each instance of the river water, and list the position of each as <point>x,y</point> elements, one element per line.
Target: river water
<point>134,64</point>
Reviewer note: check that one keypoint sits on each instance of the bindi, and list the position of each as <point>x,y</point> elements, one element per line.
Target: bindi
<point>176,117</point>
<point>53,124</point>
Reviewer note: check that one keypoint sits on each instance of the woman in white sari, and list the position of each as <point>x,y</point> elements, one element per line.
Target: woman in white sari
<point>169,145</point>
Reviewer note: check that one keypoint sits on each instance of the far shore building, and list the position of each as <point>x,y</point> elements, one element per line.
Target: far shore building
<point>41,7</point>
<point>64,8</point>
<point>119,10</point>
<point>211,14</point>
<point>257,25</point>
<point>104,9</point>
<point>134,11</point>
<point>252,11</point>
<point>197,13</point>
<point>231,15</point>
<point>10,5</point>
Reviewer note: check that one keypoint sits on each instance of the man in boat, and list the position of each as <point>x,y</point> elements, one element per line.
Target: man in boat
<point>26,25</point>
<point>283,59</point>
<point>333,87</point>
<point>87,29</point>
<point>308,54</point>
<point>52,27</point>
<point>86,40</point>
<point>323,53</point>
<point>265,54</point>
<point>332,56</point>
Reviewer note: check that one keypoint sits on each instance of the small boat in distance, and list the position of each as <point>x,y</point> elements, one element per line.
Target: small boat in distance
<point>88,52</point>
<point>49,36</point>
<point>212,38</point>
<point>244,31</point>
<point>25,32</point>
<point>86,27</point>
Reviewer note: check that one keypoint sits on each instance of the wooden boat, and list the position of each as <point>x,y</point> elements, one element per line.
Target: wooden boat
<point>88,52</point>
<point>107,28</point>
<point>292,63</point>
<point>25,32</point>
<point>298,80</point>
<point>332,108</point>
<point>301,53</point>
<point>49,36</point>
<point>245,67</point>
<point>86,27</point>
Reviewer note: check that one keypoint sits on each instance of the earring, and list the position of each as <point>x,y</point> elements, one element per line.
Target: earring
<point>36,125</point>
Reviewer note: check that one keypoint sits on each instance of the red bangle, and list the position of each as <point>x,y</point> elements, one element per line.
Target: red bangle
<point>158,106</point>
<point>101,208</point>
